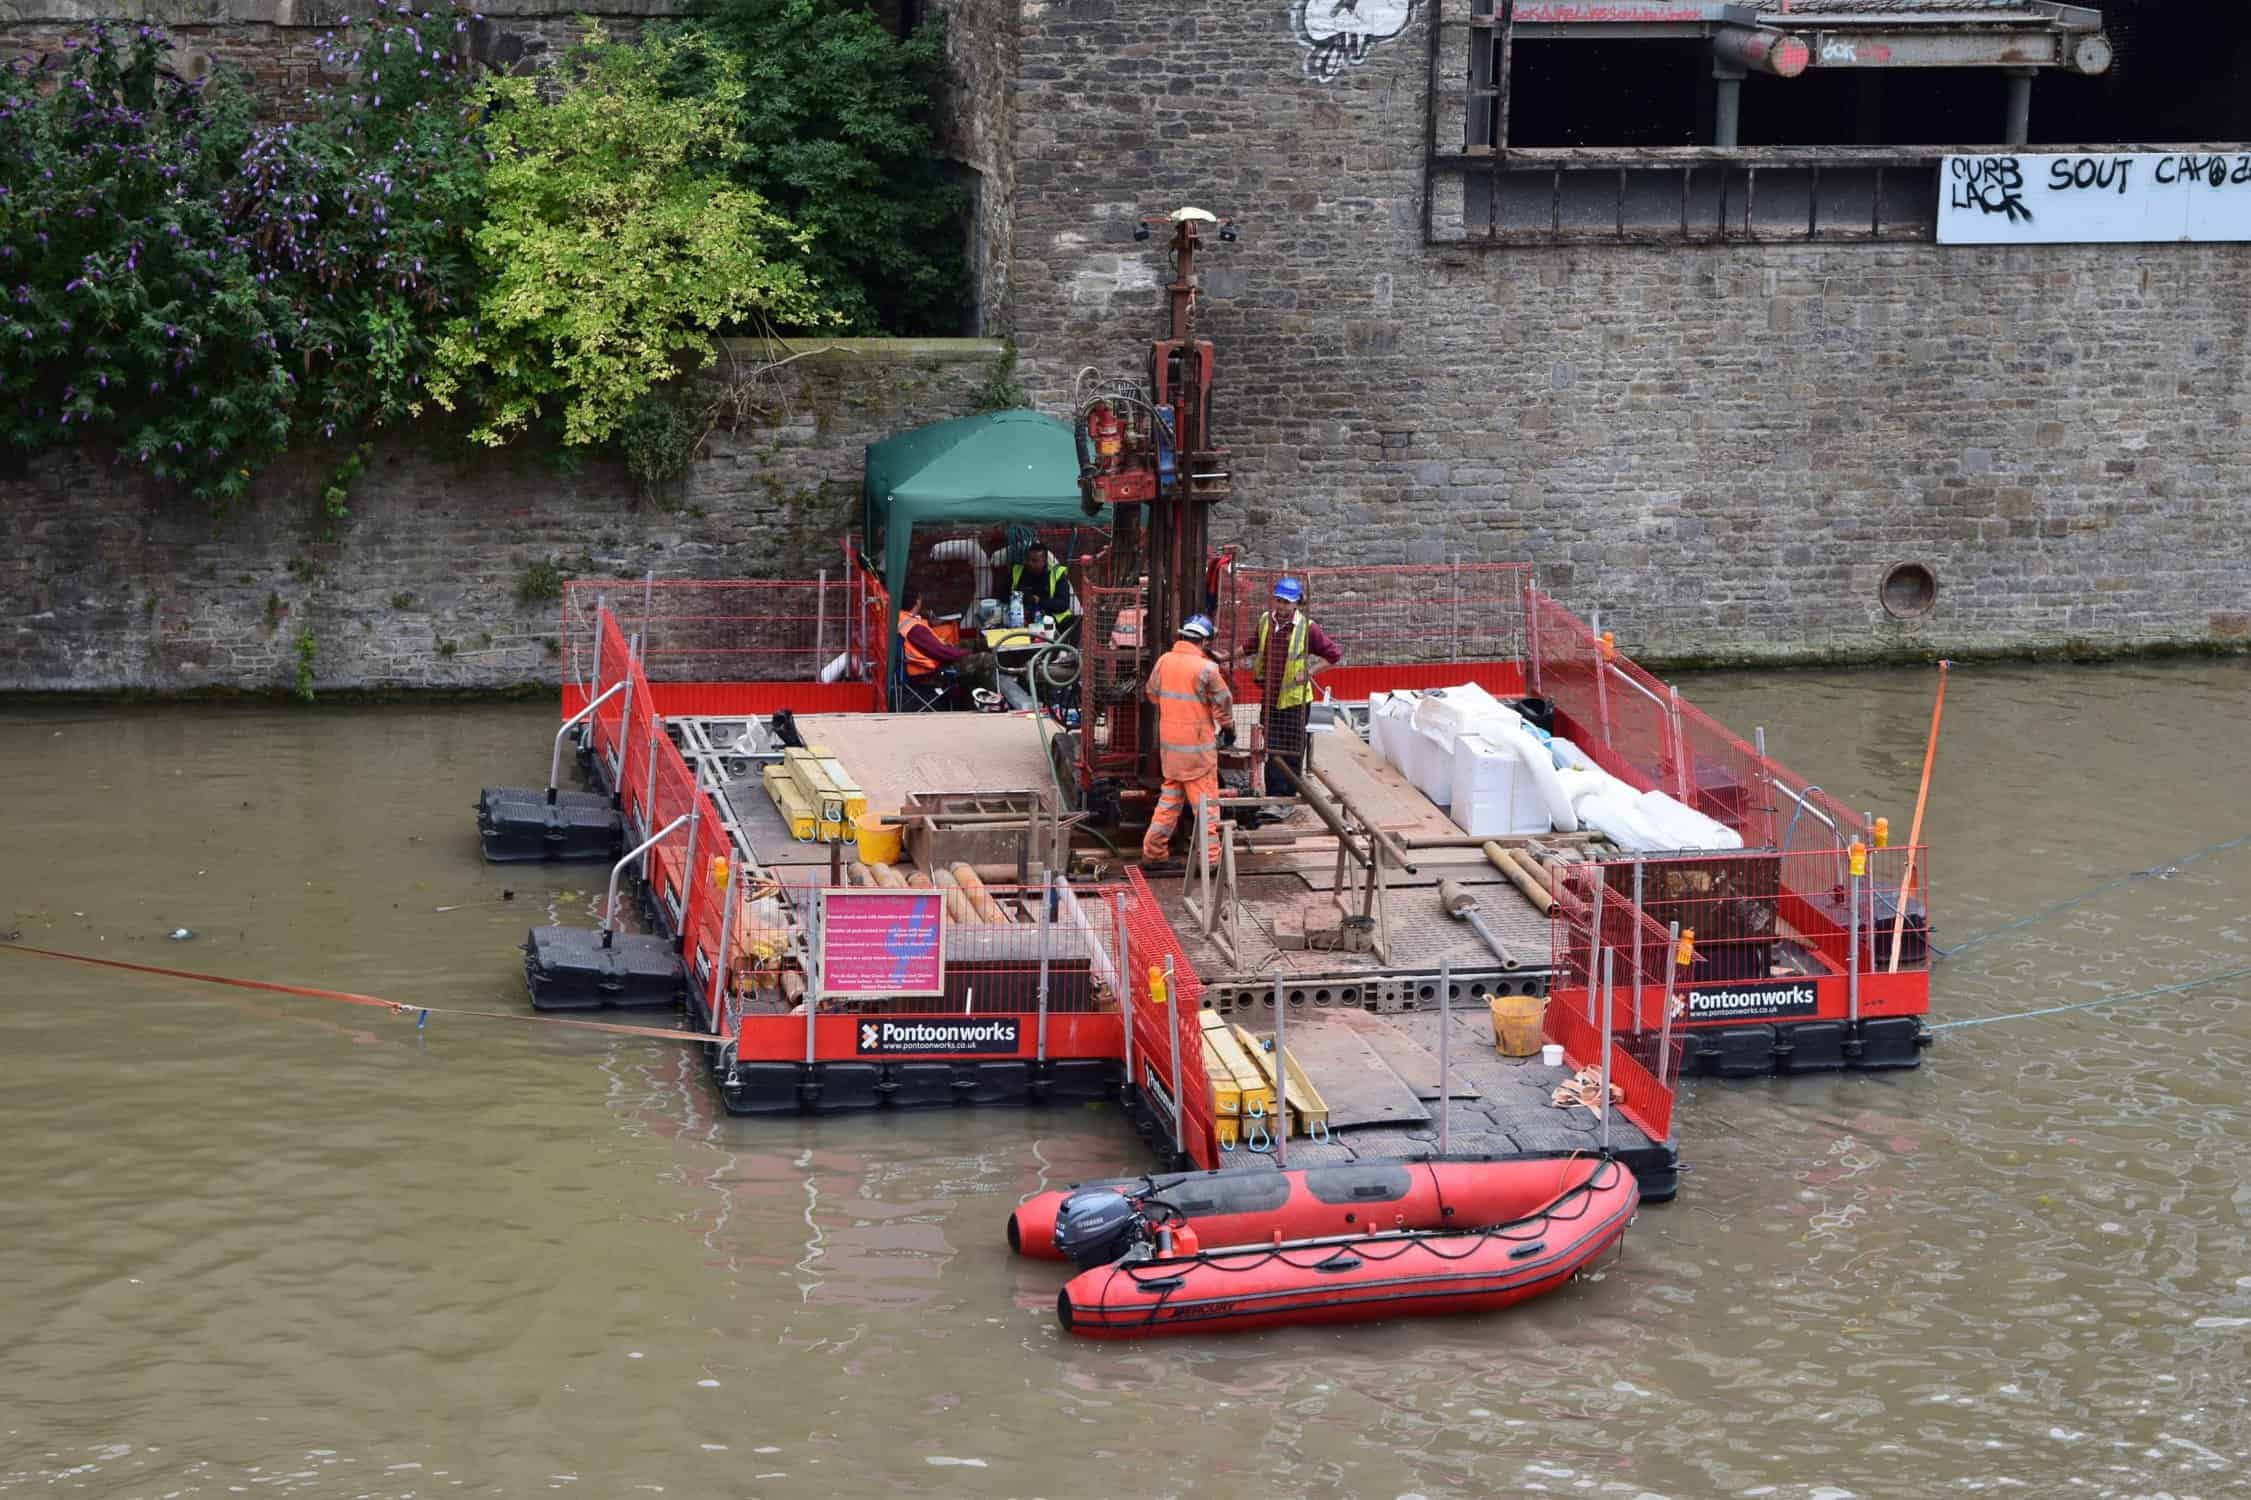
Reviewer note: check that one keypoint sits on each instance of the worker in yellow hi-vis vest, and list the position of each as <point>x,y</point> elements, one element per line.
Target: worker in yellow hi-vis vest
<point>1290,650</point>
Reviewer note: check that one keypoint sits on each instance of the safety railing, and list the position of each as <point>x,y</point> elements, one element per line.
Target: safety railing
<point>1757,922</point>
<point>1002,949</point>
<point>731,646</point>
<point>1397,626</point>
<point>1645,733</point>
<point>1165,1038</point>
<point>1647,1101</point>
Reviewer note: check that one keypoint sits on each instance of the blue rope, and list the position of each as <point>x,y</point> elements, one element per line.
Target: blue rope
<point>2083,897</point>
<point>2057,1010</point>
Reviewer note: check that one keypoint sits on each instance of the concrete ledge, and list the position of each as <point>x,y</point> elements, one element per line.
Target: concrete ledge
<point>865,351</point>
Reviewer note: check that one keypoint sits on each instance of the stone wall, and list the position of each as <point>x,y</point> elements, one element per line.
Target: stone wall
<point>106,584</point>
<point>1724,449</point>
<point>977,129</point>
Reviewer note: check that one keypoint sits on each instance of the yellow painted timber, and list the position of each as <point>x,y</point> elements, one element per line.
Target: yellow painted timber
<point>1307,1108</point>
<point>1238,1087</point>
<point>789,801</point>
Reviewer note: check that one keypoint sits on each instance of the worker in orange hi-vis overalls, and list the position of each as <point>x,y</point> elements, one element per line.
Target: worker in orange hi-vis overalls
<point>1193,709</point>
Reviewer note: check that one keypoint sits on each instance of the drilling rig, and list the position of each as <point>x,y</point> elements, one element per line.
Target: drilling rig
<point>1146,454</point>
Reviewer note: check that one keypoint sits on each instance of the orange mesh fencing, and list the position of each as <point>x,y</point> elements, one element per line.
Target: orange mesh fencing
<point>1647,1103</point>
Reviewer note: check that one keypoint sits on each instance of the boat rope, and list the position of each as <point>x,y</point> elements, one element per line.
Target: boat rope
<point>353,997</point>
<point>2156,871</point>
<point>2056,1010</point>
<point>1573,1204</point>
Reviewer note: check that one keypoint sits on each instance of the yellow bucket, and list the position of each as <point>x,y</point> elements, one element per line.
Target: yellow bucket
<point>1516,1023</point>
<point>878,840</point>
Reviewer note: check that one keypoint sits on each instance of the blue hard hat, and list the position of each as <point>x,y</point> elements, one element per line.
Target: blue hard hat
<point>1290,589</point>
<point>1197,627</point>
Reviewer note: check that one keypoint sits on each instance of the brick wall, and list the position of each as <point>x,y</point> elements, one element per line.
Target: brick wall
<point>1724,449</point>
<point>106,585</point>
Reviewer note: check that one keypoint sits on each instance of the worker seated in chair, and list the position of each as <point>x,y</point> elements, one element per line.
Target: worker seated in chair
<point>1046,587</point>
<point>934,670</point>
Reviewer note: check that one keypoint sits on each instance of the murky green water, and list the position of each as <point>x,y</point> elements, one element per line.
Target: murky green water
<point>256,1244</point>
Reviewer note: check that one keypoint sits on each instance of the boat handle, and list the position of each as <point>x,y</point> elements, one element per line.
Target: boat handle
<point>1337,1263</point>
<point>1526,1252</point>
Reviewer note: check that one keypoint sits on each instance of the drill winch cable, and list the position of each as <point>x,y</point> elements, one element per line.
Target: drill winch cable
<point>353,997</point>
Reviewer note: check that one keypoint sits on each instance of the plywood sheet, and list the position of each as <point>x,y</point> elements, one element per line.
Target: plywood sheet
<point>1352,766</point>
<point>890,755</point>
<point>1416,1065</point>
<point>1353,1080</point>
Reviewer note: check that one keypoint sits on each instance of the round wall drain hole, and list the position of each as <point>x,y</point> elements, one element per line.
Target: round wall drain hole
<point>1910,589</point>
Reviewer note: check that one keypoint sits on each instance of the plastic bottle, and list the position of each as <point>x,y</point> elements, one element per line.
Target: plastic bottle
<point>1015,611</point>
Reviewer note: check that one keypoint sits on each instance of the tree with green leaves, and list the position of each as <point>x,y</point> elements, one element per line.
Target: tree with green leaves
<point>836,131</point>
<point>614,244</point>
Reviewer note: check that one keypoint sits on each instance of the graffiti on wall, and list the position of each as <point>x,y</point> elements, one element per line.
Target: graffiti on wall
<point>1338,34</point>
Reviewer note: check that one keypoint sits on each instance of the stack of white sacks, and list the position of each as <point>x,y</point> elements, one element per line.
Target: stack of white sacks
<point>1497,774</point>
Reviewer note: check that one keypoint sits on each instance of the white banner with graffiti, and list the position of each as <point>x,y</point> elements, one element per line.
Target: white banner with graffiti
<point>1336,34</point>
<point>2080,199</point>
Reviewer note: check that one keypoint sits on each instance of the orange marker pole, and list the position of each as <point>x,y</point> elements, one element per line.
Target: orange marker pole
<point>1915,833</point>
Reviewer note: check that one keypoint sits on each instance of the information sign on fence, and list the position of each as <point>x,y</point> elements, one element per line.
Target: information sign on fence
<point>878,943</point>
<point>2077,198</point>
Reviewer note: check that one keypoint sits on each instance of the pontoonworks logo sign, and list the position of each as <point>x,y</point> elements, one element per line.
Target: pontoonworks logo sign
<point>1790,1000</point>
<point>962,1034</point>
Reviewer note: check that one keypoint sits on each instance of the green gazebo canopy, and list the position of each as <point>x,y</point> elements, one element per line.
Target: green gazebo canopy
<point>973,471</point>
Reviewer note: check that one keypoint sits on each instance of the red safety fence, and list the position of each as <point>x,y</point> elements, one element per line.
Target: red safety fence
<point>1158,1029</point>
<point>1643,732</point>
<point>730,646</point>
<point>1397,627</point>
<point>1647,1103</point>
<point>1771,933</point>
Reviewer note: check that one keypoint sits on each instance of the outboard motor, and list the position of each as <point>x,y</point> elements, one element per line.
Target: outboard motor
<point>1096,1226</point>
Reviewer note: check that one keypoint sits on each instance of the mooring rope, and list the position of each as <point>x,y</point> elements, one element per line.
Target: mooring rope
<point>353,997</point>
<point>2056,1010</point>
<point>2164,867</point>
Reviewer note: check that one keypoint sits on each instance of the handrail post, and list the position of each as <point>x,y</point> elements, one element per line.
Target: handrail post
<point>688,857</point>
<point>722,993</point>
<point>609,906</point>
<point>1281,1075</point>
<point>649,782</point>
<point>624,724</point>
<point>1766,783</point>
<point>1125,978</point>
<point>1594,941</point>
<point>1680,748</point>
<point>1532,630</point>
<point>818,909</point>
<point>1047,899</point>
<point>820,628</point>
<point>1639,945</point>
<point>1665,1026</point>
<point>1604,1042</point>
<point>1179,1100</point>
<point>1852,950</point>
<point>555,763</point>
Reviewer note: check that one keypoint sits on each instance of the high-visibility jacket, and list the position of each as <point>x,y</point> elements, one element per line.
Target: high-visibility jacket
<point>1297,682</point>
<point>1192,704</point>
<point>919,662</point>
<point>1058,580</point>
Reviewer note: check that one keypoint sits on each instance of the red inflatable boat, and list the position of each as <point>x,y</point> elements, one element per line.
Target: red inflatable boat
<point>1567,1211</point>
<point>1250,1205</point>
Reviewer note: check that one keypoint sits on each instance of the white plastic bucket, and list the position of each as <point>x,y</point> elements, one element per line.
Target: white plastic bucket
<point>1551,1054</point>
